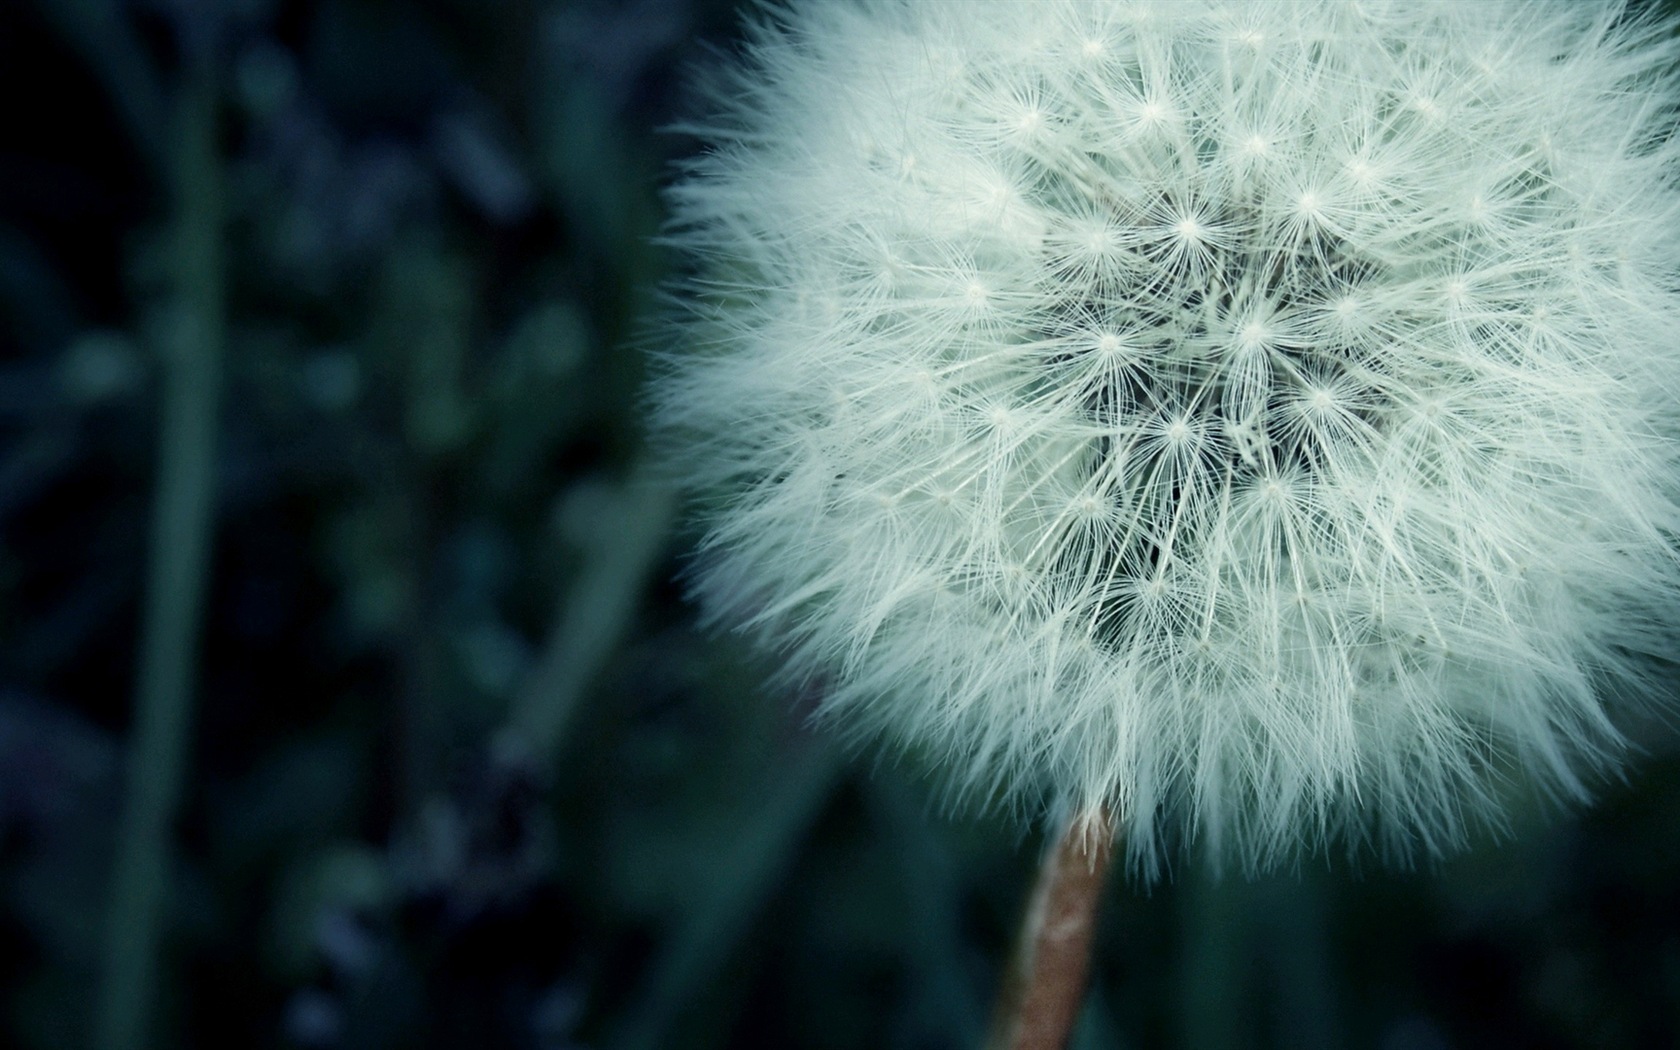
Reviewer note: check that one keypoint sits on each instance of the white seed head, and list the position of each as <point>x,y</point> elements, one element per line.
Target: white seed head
<point>1258,421</point>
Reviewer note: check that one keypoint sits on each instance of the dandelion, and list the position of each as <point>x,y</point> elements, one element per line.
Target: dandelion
<point>1248,423</point>
<point>1255,423</point>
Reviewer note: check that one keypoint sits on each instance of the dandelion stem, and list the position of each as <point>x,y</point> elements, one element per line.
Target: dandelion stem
<point>1045,983</point>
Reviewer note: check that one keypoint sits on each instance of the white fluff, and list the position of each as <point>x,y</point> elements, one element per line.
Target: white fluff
<point>1258,419</point>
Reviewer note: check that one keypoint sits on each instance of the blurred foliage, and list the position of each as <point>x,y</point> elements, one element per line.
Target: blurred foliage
<point>463,773</point>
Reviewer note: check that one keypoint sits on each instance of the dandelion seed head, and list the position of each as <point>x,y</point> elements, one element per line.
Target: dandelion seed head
<point>1260,423</point>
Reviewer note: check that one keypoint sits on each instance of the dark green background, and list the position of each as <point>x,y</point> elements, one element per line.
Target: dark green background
<point>461,771</point>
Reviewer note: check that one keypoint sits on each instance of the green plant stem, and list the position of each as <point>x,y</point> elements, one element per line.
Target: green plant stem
<point>177,576</point>
<point>694,957</point>
<point>1044,986</point>
<point>596,613</point>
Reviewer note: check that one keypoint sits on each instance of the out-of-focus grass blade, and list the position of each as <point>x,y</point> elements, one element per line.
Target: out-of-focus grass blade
<point>724,912</point>
<point>99,30</point>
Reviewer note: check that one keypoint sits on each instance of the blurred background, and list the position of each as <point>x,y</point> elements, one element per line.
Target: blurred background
<point>347,698</point>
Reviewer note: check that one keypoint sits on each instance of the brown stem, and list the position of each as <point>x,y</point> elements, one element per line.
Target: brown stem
<point>1045,985</point>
